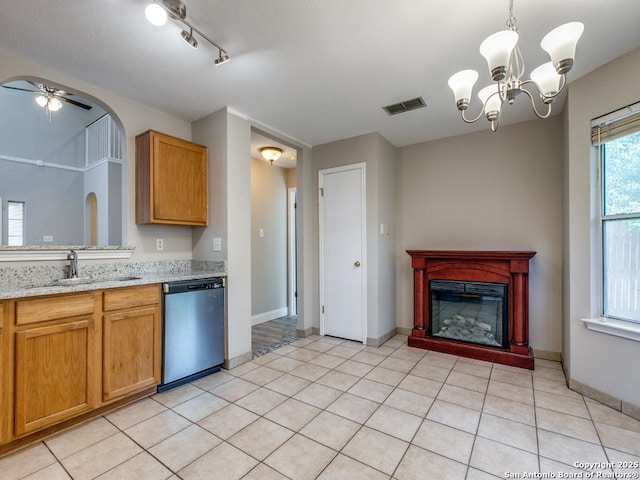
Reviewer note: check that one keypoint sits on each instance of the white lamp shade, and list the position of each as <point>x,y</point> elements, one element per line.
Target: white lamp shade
<point>156,15</point>
<point>462,84</point>
<point>54,104</point>
<point>41,100</point>
<point>497,48</point>
<point>546,79</point>
<point>491,102</point>
<point>560,43</point>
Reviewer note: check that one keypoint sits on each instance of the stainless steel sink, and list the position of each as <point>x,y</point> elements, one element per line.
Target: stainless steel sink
<point>88,280</point>
<point>72,281</point>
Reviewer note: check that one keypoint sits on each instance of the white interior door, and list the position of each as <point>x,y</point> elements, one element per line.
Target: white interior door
<point>342,252</point>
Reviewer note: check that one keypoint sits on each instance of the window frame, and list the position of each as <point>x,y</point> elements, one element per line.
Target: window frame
<point>603,219</point>
<point>23,220</point>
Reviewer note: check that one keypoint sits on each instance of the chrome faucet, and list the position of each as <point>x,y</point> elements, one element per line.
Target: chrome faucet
<point>73,264</point>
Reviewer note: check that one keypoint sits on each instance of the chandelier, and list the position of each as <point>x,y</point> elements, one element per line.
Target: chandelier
<point>506,66</point>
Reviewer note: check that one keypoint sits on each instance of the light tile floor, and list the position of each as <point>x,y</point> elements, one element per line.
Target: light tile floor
<point>325,408</point>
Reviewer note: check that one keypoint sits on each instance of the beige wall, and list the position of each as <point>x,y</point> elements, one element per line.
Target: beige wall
<point>487,191</point>
<point>379,157</point>
<point>268,253</point>
<point>135,118</point>
<point>602,362</point>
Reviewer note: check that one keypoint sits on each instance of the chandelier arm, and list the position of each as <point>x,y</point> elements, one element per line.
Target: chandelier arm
<point>466,120</point>
<point>533,105</point>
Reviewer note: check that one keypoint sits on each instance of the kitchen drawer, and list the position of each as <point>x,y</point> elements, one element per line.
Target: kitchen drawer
<point>54,308</point>
<point>129,297</point>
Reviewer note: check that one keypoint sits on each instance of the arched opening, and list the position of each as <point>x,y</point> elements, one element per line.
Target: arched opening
<point>57,145</point>
<point>91,219</point>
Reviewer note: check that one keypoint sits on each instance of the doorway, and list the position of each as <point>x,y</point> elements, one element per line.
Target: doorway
<point>273,243</point>
<point>343,252</point>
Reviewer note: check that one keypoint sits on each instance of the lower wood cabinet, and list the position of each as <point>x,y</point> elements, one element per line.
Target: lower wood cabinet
<point>62,356</point>
<point>131,341</point>
<point>54,372</point>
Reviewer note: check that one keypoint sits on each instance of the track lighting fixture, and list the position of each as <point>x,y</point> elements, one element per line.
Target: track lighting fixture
<point>271,153</point>
<point>157,13</point>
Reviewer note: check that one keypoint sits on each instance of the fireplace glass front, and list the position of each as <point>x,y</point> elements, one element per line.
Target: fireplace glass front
<point>473,312</point>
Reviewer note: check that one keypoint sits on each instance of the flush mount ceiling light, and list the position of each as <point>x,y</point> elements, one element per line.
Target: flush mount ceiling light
<point>271,153</point>
<point>506,65</point>
<point>157,13</point>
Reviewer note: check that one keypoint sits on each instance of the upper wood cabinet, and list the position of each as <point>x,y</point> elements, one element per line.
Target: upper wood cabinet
<point>171,180</point>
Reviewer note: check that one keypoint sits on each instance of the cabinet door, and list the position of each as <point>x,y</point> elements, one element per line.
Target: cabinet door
<point>54,368</point>
<point>131,349</point>
<point>171,179</point>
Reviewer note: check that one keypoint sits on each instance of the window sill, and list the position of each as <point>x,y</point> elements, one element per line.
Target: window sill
<point>610,326</point>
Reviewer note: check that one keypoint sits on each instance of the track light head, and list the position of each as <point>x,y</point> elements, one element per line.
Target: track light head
<point>176,9</point>
<point>189,38</point>
<point>222,59</point>
<point>156,14</point>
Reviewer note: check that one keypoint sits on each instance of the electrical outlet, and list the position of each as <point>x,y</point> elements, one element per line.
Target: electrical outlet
<point>159,244</point>
<point>217,244</point>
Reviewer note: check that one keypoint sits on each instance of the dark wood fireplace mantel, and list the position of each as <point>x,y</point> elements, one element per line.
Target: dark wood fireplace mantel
<point>507,267</point>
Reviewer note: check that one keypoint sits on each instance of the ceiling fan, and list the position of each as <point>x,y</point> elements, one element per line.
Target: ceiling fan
<point>50,97</point>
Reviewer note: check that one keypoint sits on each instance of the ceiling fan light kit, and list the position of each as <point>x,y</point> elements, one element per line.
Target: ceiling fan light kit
<point>506,66</point>
<point>50,98</point>
<point>159,11</point>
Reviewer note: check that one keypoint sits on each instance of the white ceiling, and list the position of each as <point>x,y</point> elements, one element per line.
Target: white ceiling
<point>316,71</point>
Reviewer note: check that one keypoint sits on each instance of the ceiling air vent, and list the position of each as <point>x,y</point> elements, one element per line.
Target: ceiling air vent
<point>405,106</point>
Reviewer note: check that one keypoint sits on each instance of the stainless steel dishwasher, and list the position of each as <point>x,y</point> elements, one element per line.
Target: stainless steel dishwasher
<point>193,330</point>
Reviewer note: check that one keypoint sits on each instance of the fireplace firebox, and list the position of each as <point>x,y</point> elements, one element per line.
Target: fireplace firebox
<point>473,312</point>
<point>473,303</point>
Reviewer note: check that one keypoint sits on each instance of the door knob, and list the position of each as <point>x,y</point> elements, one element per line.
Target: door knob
<point>357,263</point>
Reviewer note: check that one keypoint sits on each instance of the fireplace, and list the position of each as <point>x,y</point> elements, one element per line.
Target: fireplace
<point>473,304</point>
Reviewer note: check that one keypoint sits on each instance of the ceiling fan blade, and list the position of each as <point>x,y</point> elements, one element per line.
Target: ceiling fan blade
<point>21,89</point>
<point>73,102</point>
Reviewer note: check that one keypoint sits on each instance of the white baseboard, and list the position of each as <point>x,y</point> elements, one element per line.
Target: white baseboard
<point>272,315</point>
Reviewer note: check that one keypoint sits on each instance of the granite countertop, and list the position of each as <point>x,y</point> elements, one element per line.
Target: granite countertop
<point>100,283</point>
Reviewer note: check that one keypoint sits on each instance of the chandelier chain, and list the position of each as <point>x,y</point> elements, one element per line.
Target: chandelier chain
<point>511,20</point>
